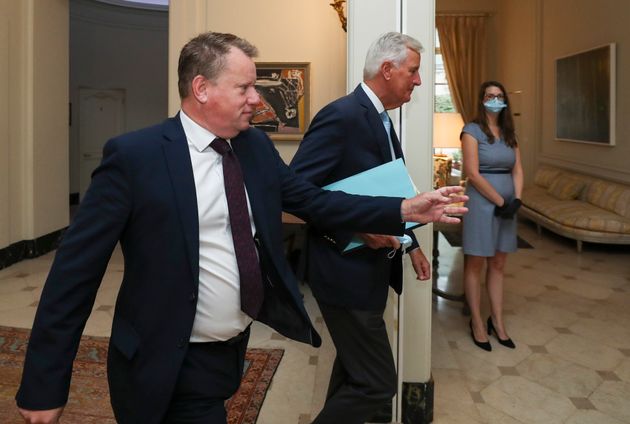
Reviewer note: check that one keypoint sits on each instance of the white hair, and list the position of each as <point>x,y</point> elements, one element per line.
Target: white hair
<point>391,46</point>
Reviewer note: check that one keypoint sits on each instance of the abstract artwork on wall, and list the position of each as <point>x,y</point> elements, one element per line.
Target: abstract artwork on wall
<point>585,96</point>
<point>283,110</point>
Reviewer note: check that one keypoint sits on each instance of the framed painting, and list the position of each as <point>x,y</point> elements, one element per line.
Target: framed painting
<point>585,96</point>
<point>283,111</point>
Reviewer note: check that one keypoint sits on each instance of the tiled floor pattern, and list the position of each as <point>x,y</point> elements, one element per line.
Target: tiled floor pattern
<point>568,313</point>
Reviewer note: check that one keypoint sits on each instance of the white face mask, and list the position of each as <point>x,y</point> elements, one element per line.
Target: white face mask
<point>495,105</point>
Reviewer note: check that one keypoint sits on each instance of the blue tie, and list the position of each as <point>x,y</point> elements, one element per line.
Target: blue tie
<point>387,123</point>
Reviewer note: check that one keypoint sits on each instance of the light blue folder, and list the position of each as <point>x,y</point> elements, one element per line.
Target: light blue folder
<point>390,179</point>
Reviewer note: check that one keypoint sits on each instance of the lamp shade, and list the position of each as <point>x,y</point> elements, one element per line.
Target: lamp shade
<point>446,130</point>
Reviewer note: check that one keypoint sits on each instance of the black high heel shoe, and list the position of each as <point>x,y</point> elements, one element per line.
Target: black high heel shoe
<point>507,342</point>
<point>484,345</point>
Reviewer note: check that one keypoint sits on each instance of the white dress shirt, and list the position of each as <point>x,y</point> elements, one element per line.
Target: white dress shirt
<point>219,316</point>
<point>380,109</point>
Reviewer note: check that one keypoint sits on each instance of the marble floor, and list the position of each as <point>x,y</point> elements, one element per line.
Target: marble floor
<point>568,313</point>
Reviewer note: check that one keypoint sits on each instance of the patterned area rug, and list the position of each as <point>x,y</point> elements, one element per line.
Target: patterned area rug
<point>89,395</point>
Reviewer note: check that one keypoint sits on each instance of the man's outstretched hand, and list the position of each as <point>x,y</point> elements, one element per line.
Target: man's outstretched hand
<point>435,206</point>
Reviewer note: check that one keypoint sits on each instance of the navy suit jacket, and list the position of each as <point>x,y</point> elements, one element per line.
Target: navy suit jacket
<point>143,196</point>
<point>347,137</point>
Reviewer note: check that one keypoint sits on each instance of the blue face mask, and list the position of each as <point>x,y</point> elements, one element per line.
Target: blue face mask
<point>495,105</point>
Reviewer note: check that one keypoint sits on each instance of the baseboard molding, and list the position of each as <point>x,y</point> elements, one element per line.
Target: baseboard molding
<point>417,402</point>
<point>28,249</point>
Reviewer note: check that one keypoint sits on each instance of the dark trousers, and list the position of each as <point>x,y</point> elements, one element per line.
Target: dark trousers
<point>364,375</point>
<point>211,374</point>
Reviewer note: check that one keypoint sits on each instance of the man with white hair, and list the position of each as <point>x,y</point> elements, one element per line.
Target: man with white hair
<point>348,136</point>
<point>196,204</point>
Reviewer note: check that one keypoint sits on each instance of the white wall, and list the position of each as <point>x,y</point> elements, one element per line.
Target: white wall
<point>114,47</point>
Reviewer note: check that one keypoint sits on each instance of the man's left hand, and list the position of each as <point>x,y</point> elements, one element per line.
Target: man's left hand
<point>435,206</point>
<point>420,264</point>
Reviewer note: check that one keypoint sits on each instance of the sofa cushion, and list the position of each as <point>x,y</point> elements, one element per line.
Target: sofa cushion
<point>545,176</point>
<point>566,187</point>
<point>537,198</point>
<point>609,196</point>
<point>575,213</point>
<point>578,214</point>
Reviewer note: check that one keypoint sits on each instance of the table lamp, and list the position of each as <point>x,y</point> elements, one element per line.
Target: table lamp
<point>446,129</point>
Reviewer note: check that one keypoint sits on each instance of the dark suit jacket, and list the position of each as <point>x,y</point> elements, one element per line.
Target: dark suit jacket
<point>347,137</point>
<point>143,196</point>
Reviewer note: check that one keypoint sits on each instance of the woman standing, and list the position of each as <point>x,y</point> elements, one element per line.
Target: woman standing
<point>492,164</point>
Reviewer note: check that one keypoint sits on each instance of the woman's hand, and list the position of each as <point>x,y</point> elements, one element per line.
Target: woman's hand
<point>508,210</point>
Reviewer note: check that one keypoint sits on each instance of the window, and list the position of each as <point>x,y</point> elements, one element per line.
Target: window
<point>443,102</point>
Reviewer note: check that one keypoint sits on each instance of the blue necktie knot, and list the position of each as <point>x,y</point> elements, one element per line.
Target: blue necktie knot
<point>386,122</point>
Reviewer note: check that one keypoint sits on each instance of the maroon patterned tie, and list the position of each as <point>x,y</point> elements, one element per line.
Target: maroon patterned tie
<point>252,293</point>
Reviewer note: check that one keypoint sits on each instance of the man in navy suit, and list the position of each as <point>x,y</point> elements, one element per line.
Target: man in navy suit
<point>348,136</point>
<point>179,333</point>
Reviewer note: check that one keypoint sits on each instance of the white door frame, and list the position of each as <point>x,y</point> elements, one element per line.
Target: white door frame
<point>408,316</point>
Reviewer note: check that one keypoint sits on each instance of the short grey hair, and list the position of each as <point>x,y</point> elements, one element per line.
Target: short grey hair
<point>391,46</point>
<point>205,55</point>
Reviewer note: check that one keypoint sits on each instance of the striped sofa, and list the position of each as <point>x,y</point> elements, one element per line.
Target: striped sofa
<point>578,206</point>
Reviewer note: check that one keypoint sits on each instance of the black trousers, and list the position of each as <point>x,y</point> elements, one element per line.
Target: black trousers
<point>211,374</point>
<point>364,374</point>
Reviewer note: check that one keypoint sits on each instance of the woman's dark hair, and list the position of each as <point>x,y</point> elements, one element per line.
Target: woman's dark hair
<point>505,121</point>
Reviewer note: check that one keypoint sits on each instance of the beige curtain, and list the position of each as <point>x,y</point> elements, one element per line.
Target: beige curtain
<point>463,50</point>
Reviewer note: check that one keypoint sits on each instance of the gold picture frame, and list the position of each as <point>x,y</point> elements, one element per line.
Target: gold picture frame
<point>284,108</point>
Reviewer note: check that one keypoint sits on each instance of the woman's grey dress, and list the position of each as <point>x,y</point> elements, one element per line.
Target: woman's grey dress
<point>483,233</point>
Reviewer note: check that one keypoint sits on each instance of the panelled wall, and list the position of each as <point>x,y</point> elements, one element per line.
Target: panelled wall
<point>33,119</point>
<point>568,27</point>
<point>5,221</point>
<point>524,38</point>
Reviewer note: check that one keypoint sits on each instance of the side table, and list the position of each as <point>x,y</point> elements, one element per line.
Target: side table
<point>457,297</point>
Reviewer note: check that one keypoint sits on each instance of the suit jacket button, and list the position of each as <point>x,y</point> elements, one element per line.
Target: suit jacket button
<point>193,296</point>
<point>182,343</point>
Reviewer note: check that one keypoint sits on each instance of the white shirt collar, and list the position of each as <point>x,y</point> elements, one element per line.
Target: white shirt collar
<point>373,98</point>
<point>197,135</point>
